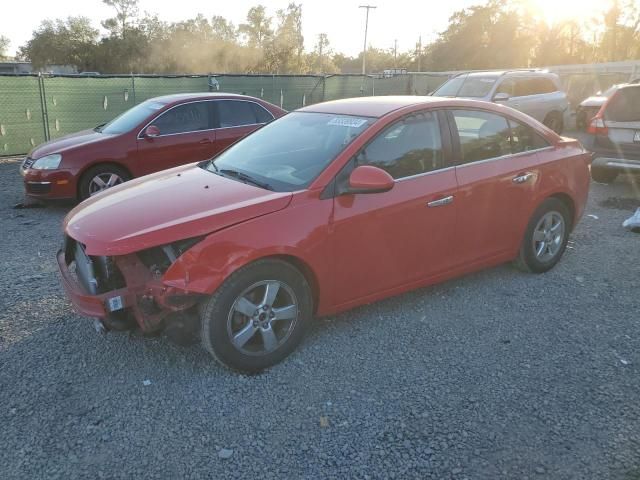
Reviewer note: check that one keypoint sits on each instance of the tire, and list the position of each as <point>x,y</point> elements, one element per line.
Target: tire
<point>222,316</point>
<point>555,122</point>
<point>529,258</point>
<point>603,175</point>
<point>104,171</point>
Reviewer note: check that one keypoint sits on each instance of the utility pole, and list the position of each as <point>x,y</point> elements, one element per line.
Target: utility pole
<point>395,53</point>
<point>322,40</point>
<point>366,28</point>
<point>419,53</point>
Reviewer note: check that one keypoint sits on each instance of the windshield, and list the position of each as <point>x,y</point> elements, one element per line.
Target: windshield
<point>466,87</point>
<point>289,153</point>
<point>130,119</point>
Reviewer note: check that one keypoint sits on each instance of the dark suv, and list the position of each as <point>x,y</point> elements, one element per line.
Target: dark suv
<point>616,135</point>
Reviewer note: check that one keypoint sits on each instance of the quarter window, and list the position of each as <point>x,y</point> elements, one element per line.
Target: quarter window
<point>190,117</point>
<point>262,115</point>
<point>525,138</point>
<point>483,135</point>
<point>234,113</point>
<point>409,147</point>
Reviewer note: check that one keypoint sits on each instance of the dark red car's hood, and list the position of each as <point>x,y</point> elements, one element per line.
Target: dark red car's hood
<point>167,206</point>
<point>61,144</point>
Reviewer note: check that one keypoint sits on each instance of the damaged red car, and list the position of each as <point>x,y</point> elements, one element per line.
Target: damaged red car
<point>332,206</point>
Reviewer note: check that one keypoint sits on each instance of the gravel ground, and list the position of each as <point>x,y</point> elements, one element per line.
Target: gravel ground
<point>496,375</point>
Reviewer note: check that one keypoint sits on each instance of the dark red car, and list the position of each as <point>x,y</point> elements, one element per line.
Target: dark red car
<point>329,207</point>
<point>157,134</point>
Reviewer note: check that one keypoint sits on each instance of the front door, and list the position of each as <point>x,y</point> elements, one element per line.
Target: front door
<point>384,240</point>
<point>185,135</point>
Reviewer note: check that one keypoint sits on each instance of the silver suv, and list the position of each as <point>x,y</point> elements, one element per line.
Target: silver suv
<point>534,92</point>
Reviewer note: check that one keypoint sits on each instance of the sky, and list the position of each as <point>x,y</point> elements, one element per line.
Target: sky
<point>341,20</point>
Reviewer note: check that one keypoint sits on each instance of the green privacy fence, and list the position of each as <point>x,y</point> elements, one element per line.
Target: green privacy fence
<point>36,108</point>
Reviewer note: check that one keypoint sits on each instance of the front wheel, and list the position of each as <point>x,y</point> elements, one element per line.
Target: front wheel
<point>101,177</point>
<point>546,237</point>
<point>258,316</point>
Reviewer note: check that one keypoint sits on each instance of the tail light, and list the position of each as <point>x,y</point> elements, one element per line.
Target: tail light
<point>597,125</point>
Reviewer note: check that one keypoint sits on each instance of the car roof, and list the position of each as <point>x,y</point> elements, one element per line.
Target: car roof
<point>369,106</point>
<point>181,97</point>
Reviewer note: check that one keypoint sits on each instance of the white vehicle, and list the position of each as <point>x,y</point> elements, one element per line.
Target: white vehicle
<point>534,92</point>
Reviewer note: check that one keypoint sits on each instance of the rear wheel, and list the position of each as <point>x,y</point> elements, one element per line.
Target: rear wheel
<point>546,237</point>
<point>555,122</point>
<point>603,175</point>
<point>100,178</point>
<point>258,316</point>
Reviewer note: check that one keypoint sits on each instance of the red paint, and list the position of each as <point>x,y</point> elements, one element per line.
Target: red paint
<point>353,248</point>
<point>368,179</point>
<point>136,151</point>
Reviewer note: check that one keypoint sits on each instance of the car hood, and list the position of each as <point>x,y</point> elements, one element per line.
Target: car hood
<point>67,142</point>
<point>172,205</point>
<point>594,101</point>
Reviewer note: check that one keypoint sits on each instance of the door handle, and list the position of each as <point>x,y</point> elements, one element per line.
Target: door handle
<point>523,178</point>
<point>441,202</point>
<point>205,141</point>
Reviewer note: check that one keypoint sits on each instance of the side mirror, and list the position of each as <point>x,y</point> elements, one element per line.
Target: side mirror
<point>369,179</point>
<point>501,97</point>
<point>151,131</point>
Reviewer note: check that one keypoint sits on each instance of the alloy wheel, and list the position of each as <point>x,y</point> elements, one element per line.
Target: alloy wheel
<point>262,317</point>
<point>548,236</point>
<point>102,181</point>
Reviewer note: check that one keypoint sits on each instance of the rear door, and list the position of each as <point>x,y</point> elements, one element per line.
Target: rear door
<point>186,135</point>
<point>622,118</point>
<point>497,177</point>
<point>380,241</point>
<point>235,119</point>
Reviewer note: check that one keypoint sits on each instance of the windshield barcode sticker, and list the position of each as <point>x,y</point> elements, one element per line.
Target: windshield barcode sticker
<point>347,122</point>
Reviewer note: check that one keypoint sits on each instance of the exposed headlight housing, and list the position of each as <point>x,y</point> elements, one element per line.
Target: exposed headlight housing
<point>49,162</point>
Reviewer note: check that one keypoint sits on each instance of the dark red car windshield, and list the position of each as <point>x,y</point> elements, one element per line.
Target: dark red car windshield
<point>128,120</point>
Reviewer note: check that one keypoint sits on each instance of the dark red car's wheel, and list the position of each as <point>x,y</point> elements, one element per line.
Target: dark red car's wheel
<point>101,177</point>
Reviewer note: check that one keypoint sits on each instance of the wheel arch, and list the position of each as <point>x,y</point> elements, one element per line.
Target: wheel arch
<point>569,203</point>
<point>304,268</point>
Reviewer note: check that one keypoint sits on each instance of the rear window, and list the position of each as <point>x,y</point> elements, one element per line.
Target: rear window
<point>624,106</point>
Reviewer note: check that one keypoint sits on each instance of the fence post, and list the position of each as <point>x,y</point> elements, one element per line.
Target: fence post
<point>324,84</point>
<point>133,87</point>
<point>43,108</point>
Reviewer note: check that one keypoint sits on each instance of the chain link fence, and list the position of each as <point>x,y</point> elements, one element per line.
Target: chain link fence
<point>36,108</point>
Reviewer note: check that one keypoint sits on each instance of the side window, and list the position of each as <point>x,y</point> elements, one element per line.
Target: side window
<point>483,135</point>
<point>525,138</point>
<point>235,113</point>
<point>408,147</point>
<point>507,86</point>
<point>523,87</point>
<point>189,117</point>
<point>261,113</point>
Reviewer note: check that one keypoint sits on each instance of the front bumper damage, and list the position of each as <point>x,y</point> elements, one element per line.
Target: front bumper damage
<point>120,290</point>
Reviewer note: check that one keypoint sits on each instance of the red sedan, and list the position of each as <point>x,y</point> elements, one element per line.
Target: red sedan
<point>157,134</point>
<point>329,207</point>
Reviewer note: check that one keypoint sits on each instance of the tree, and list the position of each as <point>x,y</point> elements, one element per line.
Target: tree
<point>62,42</point>
<point>126,13</point>
<point>4,46</point>
<point>258,27</point>
<point>284,52</point>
